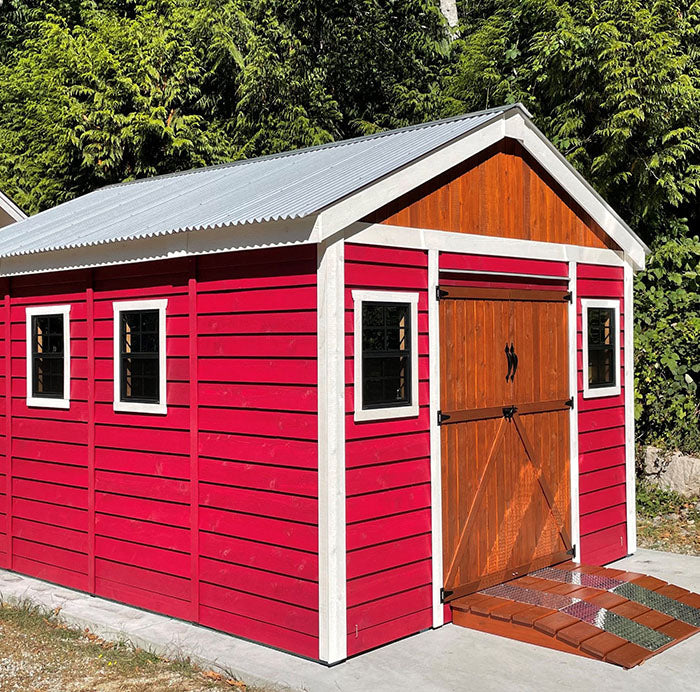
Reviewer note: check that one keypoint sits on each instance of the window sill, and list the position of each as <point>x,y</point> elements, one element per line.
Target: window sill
<point>602,392</point>
<point>379,414</point>
<point>40,402</point>
<point>135,407</point>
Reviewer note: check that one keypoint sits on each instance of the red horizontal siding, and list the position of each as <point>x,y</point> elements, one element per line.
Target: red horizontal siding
<point>505,265</point>
<point>208,513</point>
<point>601,421</point>
<point>388,476</point>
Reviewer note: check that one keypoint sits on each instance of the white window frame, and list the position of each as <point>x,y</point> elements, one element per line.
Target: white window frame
<point>612,390</point>
<point>41,401</point>
<point>136,406</point>
<point>410,410</point>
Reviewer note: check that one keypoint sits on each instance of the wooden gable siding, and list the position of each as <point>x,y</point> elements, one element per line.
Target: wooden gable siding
<point>389,568</point>
<point>500,192</point>
<point>208,513</point>
<point>601,424</point>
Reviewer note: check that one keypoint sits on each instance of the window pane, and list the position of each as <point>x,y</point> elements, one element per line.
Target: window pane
<point>47,356</point>
<point>600,326</point>
<point>140,364</point>
<point>601,347</point>
<point>386,356</point>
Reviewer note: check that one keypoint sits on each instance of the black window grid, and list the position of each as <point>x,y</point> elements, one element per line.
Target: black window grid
<point>139,355</point>
<point>385,355</point>
<point>48,356</point>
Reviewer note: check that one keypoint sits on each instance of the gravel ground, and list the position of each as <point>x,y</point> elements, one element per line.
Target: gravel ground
<point>674,533</point>
<point>40,654</point>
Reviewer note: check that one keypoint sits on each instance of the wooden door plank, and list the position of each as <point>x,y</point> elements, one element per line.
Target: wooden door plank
<point>481,487</point>
<point>544,485</point>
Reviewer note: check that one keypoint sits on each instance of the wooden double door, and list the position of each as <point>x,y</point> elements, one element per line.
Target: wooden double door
<point>504,432</point>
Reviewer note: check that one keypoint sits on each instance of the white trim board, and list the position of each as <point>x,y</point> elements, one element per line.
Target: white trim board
<point>412,409</point>
<point>161,407</point>
<point>573,416</point>
<point>611,304</point>
<point>9,207</point>
<point>435,437</point>
<point>332,580</point>
<point>258,236</point>
<point>466,243</point>
<point>631,497</point>
<point>43,401</point>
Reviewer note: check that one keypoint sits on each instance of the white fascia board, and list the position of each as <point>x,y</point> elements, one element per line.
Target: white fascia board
<point>554,162</point>
<point>356,206</point>
<point>512,123</point>
<point>7,205</point>
<point>447,241</point>
<point>252,236</point>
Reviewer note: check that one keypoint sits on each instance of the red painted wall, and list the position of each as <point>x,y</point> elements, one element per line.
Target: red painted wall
<point>601,421</point>
<point>208,513</point>
<point>388,477</point>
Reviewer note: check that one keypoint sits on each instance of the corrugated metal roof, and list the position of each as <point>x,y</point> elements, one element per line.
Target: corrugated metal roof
<point>291,185</point>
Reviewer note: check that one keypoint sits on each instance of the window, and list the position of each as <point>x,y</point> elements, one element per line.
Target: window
<point>601,343</point>
<point>139,356</point>
<point>386,355</point>
<point>48,356</point>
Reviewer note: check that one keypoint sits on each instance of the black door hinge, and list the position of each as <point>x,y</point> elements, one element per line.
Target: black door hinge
<point>570,402</point>
<point>440,293</point>
<point>442,417</point>
<point>572,551</point>
<point>569,297</point>
<point>509,412</point>
<point>445,594</point>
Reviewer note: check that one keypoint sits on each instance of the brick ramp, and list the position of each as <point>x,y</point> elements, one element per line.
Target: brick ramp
<point>608,614</point>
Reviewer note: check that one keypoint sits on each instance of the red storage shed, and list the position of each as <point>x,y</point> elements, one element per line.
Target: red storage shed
<point>309,399</point>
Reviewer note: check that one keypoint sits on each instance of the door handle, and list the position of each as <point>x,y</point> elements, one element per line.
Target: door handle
<point>514,356</point>
<point>510,362</point>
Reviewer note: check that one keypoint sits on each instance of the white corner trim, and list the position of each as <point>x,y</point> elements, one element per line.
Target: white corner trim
<point>412,409</point>
<point>39,401</point>
<point>629,412</point>
<point>613,390</point>
<point>435,442</point>
<point>332,580</point>
<point>7,205</point>
<point>573,417</point>
<point>132,406</point>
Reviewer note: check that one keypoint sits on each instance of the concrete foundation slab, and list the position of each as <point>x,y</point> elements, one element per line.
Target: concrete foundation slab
<point>447,659</point>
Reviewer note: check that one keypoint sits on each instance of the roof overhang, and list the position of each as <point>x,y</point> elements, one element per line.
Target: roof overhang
<point>514,123</point>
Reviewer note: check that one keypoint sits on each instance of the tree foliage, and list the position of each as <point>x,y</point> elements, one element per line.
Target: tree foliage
<point>98,91</point>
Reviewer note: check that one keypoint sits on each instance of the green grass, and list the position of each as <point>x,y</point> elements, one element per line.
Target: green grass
<point>653,501</point>
<point>45,652</point>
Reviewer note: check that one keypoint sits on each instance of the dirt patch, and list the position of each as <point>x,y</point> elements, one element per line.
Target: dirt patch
<point>670,532</point>
<point>38,653</point>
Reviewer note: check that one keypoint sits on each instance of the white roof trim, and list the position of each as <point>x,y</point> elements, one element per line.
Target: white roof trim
<point>513,123</point>
<point>7,205</point>
<point>253,236</point>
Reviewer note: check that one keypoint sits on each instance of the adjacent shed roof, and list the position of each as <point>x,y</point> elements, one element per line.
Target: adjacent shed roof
<point>290,185</point>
